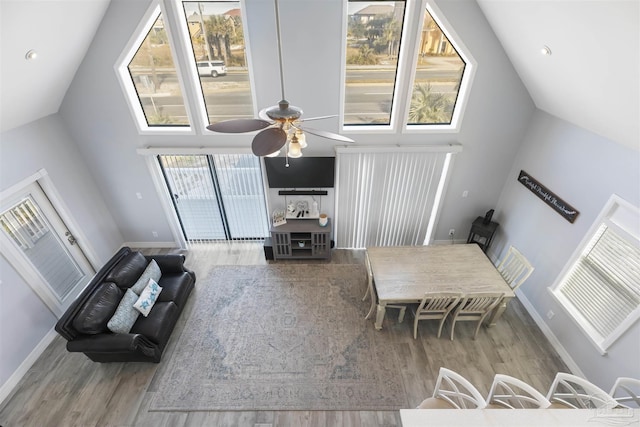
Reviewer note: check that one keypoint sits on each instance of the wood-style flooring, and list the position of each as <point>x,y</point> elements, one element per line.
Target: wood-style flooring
<point>67,389</point>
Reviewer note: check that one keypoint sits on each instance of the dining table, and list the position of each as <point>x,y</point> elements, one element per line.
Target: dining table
<point>403,274</point>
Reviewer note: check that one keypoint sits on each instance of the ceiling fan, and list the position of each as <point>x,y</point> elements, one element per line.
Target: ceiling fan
<point>278,124</point>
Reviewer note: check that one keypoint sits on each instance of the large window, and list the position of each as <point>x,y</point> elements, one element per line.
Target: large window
<point>429,82</point>
<point>601,287</point>
<point>438,76</point>
<point>153,74</point>
<point>373,46</point>
<point>218,45</point>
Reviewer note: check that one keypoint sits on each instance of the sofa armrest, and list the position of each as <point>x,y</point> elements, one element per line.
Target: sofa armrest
<point>171,263</point>
<point>115,343</point>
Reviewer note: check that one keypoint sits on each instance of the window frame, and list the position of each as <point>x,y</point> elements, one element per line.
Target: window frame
<point>465,83</point>
<point>620,225</point>
<point>131,95</point>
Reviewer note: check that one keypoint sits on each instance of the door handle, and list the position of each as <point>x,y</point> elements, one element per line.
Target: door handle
<point>72,240</point>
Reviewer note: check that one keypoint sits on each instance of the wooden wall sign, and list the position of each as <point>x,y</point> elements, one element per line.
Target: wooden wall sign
<point>563,208</point>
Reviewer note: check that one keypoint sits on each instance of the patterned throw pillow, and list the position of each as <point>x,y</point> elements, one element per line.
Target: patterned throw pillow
<point>151,272</point>
<point>125,315</point>
<point>148,298</point>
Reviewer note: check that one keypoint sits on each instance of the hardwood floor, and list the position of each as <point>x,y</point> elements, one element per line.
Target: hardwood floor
<point>67,389</point>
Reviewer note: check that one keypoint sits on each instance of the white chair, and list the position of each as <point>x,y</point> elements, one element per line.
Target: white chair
<point>435,306</point>
<point>475,307</point>
<point>512,393</point>
<point>628,391</point>
<point>571,391</point>
<point>515,268</point>
<point>371,290</point>
<point>453,391</point>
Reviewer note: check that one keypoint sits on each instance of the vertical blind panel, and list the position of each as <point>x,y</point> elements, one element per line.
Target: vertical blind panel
<point>240,180</point>
<point>604,284</point>
<point>191,184</point>
<point>385,199</point>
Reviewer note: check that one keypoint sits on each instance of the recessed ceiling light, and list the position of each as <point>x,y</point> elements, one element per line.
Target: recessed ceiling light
<point>545,50</point>
<point>32,54</point>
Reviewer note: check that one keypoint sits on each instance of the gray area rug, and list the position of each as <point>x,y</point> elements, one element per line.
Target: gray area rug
<point>281,337</point>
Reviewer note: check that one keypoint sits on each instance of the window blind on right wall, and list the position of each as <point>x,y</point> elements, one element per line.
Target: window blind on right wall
<point>388,196</point>
<point>601,289</point>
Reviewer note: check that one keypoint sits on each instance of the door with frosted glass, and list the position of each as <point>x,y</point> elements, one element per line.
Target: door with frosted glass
<point>42,249</point>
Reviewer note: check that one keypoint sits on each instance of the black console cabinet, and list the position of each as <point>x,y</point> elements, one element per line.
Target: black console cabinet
<point>482,233</point>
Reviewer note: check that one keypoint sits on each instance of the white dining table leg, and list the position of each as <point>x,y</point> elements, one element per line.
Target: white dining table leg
<point>380,315</point>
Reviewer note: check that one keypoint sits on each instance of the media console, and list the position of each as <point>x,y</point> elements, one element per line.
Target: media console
<point>301,239</point>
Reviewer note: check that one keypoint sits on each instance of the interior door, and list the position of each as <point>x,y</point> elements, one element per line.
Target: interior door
<point>48,255</point>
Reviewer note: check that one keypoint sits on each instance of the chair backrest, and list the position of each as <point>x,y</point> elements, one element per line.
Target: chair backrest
<point>437,305</point>
<point>477,305</point>
<point>576,392</point>
<point>513,393</point>
<point>372,288</point>
<point>627,391</point>
<point>458,391</point>
<point>515,268</point>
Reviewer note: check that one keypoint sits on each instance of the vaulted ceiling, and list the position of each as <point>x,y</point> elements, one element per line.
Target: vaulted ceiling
<point>590,79</point>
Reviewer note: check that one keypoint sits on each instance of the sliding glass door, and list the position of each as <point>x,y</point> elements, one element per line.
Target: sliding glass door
<point>217,197</point>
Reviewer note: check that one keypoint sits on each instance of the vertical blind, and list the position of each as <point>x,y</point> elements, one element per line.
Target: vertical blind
<point>604,284</point>
<point>217,197</point>
<point>385,197</point>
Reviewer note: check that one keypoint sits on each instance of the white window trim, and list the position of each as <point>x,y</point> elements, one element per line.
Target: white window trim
<point>602,344</point>
<point>467,76</point>
<point>122,71</point>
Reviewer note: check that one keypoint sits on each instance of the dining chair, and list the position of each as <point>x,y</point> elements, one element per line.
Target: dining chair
<point>571,391</point>
<point>512,393</point>
<point>627,391</point>
<point>453,391</point>
<point>475,307</point>
<point>515,268</point>
<point>371,290</point>
<point>435,306</point>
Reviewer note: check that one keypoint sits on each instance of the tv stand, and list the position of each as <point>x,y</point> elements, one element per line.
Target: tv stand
<point>301,239</point>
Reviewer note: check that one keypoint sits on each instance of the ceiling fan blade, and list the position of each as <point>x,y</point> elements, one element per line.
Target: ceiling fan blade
<point>318,118</point>
<point>239,125</point>
<point>326,134</point>
<point>268,141</point>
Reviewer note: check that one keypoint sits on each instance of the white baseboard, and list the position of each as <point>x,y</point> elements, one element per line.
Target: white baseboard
<point>555,343</point>
<point>151,245</point>
<point>15,378</point>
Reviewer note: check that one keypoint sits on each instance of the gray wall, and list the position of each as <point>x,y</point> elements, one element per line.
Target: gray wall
<point>584,169</point>
<point>97,113</point>
<point>46,144</point>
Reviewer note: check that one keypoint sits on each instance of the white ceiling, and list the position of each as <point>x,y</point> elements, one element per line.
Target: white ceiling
<point>60,31</point>
<point>591,79</point>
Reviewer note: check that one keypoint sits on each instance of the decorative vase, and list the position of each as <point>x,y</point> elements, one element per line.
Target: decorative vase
<point>323,220</point>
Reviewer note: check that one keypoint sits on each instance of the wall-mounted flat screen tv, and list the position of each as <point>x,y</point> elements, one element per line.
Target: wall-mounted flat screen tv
<point>303,172</point>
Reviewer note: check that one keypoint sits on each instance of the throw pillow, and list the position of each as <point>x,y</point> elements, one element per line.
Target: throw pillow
<point>148,298</point>
<point>151,272</point>
<point>125,315</point>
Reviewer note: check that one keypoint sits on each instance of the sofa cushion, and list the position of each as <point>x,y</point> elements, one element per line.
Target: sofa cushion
<point>125,315</point>
<point>157,326</point>
<point>175,287</point>
<point>148,298</point>
<point>128,270</point>
<point>151,272</point>
<point>92,318</point>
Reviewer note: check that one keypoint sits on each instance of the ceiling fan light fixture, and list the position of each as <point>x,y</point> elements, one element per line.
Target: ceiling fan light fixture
<point>295,150</point>
<point>274,154</point>
<point>302,139</point>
